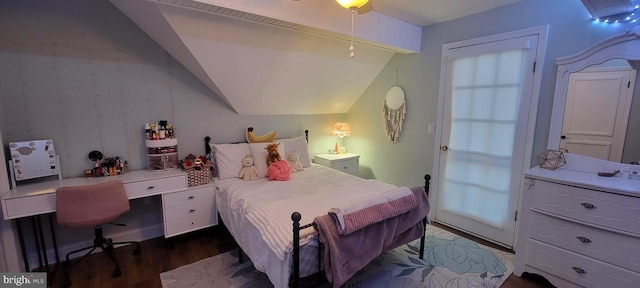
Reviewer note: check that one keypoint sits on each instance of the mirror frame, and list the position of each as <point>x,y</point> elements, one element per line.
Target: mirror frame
<point>621,46</point>
<point>394,94</point>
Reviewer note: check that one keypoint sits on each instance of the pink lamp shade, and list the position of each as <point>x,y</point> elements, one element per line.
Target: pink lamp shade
<point>341,129</point>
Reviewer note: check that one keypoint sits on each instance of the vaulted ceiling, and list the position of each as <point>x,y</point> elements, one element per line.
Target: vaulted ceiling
<point>276,57</point>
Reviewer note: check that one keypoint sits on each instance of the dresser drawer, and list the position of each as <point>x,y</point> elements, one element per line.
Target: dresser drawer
<point>349,166</point>
<point>188,210</point>
<point>155,186</point>
<point>348,163</point>
<point>588,241</point>
<point>577,268</point>
<point>596,207</point>
<point>184,225</point>
<point>189,196</point>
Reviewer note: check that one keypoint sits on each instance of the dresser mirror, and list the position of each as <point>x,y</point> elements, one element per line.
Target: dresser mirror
<point>589,135</point>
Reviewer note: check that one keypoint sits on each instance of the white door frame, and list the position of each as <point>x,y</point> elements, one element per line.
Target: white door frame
<point>542,32</point>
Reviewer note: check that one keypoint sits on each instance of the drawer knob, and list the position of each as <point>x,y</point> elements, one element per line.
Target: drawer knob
<point>584,239</point>
<point>579,270</point>
<point>151,187</point>
<point>192,210</point>
<point>588,205</point>
<point>191,197</point>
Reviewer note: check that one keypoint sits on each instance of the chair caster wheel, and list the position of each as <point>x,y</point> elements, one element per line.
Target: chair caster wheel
<point>136,251</point>
<point>116,273</point>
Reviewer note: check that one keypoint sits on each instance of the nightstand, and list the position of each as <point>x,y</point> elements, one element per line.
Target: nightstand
<point>346,162</point>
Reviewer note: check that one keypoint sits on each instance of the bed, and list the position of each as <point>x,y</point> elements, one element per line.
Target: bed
<point>273,221</point>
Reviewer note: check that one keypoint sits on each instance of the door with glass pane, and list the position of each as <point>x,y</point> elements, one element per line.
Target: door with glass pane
<point>485,110</point>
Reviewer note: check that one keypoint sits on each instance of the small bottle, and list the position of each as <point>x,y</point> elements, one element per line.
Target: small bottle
<point>118,166</point>
<point>162,133</point>
<point>125,169</point>
<point>170,132</point>
<point>147,131</point>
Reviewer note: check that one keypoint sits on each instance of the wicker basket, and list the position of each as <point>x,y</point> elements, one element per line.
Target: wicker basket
<point>198,177</point>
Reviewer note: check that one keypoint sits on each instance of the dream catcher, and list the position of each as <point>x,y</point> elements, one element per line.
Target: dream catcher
<point>394,110</point>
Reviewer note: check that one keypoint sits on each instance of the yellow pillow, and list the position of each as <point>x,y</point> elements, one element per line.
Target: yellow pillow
<point>266,138</point>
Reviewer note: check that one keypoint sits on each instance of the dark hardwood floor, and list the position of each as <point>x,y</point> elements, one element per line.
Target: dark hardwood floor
<point>159,255</point>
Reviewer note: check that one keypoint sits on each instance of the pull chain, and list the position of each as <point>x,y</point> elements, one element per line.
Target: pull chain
<point>353,14</point>
<point>396,77</point>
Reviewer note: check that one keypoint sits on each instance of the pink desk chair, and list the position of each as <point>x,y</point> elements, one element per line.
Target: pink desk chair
<point>92,206</point>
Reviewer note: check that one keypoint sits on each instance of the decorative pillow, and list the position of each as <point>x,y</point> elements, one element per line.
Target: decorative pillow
<point>296,144</point>
<point>279,170</point>
<point>260,155</point>
<point>266,138</point>
<point>228,158</point>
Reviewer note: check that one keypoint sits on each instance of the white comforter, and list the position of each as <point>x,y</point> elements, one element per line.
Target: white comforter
<point>258,213</point>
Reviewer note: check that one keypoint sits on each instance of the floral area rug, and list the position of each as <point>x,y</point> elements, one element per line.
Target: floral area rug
<point>450,261</point>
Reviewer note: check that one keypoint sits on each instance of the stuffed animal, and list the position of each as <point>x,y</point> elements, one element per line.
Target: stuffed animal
<point>272,153</point>
<point>248,171</point>
<point>294,162</point>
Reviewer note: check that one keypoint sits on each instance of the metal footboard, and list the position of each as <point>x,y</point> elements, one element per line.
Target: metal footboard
<point>296,217</point>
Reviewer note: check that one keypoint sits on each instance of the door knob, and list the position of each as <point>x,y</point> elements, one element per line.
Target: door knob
<point>444,148</point>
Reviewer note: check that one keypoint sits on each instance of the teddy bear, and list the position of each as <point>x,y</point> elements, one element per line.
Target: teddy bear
<point>294,162</point>
<point>248,171</point>
<point>272,153</point>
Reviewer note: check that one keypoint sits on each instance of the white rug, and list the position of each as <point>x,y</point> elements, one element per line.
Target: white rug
<point>450,261</point>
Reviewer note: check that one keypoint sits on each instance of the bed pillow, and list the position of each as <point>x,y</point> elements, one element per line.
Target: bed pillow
<point>260,156</point>
<point>297,144</point>
<point>228,159</point>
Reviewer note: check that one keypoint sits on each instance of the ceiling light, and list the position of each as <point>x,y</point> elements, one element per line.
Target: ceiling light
<point>352,4</point>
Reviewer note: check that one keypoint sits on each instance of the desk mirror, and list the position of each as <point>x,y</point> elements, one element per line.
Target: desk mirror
<point>594,111</point>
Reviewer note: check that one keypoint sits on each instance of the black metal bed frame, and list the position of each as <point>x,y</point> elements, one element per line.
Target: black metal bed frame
<point>296,216</point>
<point>295,280</point>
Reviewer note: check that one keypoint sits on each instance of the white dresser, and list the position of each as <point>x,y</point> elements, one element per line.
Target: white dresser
<point>345,162</point>
<point>579,229</point>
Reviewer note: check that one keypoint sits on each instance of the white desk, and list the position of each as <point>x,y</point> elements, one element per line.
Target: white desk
<point>40,198</point>
<point>185,208</point>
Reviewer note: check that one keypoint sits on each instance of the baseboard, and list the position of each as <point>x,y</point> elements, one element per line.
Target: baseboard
<point>141,234</point>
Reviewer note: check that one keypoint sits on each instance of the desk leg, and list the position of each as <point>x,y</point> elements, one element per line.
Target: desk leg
<point>23,249</point>
<point>34,228</point>
<point>39,239</point>
<point>44,248</point>
<point>50,276</point>
<point>53,238</point>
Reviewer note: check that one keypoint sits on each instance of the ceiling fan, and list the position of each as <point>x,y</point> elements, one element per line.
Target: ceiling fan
<point>360,6</point>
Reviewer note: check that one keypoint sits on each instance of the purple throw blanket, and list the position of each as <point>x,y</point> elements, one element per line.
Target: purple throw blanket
<point>365,211</point>
<point>344,255</point>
